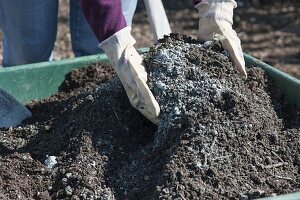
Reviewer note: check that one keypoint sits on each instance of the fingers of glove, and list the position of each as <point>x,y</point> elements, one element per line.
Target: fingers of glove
<point>150,112</point>
<point>228,39</point>
<point>133,77</point>
<point>232,44</point>
<point>144,102</point>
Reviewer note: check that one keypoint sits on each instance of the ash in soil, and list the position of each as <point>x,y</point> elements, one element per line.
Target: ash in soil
<point>224,136</point>
<point>220,136</point>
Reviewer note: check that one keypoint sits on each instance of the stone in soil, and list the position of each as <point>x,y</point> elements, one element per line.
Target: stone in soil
<point>220,136</point>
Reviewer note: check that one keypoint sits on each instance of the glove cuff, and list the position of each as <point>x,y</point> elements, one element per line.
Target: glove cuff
<point>219,10</point>
<point>115,45</point>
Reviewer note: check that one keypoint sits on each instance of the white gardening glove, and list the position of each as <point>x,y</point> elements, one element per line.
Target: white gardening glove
<point>216,17</point>
<point>128,65</point>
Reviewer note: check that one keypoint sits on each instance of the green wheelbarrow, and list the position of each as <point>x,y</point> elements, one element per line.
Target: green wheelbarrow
<point>41,80</point>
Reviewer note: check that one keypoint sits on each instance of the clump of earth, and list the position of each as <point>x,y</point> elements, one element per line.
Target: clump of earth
<point>220,136</point>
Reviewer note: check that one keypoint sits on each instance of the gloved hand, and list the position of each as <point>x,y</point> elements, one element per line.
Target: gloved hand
<point>216,16</point>
<point>128,65</point>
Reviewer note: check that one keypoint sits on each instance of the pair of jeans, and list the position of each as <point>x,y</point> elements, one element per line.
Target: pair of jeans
<point>29,29</point>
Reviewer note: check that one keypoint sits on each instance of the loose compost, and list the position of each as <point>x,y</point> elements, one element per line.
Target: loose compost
<point>220,136</point>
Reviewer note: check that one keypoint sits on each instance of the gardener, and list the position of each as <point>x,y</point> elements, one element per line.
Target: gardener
<point>29,29</point>
<point>109,26</point>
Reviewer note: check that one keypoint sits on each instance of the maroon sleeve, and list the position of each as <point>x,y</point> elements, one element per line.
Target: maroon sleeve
<point>104,16</point>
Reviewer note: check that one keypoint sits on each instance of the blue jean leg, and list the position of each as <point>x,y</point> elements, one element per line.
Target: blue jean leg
<point>29,30</point>
<point>84,42</point>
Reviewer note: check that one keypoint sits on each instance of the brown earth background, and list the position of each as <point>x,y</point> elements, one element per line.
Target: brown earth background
<point>269,30</point>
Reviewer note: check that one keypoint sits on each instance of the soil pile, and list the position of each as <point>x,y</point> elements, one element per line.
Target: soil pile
<point>224,136</point>
<point>220,136</point>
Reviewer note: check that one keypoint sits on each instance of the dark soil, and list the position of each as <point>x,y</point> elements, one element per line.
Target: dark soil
<point>87,77</point>
<point>220,136</point>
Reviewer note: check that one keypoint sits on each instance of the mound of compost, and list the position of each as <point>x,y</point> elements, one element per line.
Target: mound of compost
<point>220,136</point>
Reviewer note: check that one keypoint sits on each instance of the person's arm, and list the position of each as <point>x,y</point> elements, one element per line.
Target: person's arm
<point>108,23</point>
<point>104,16</point>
